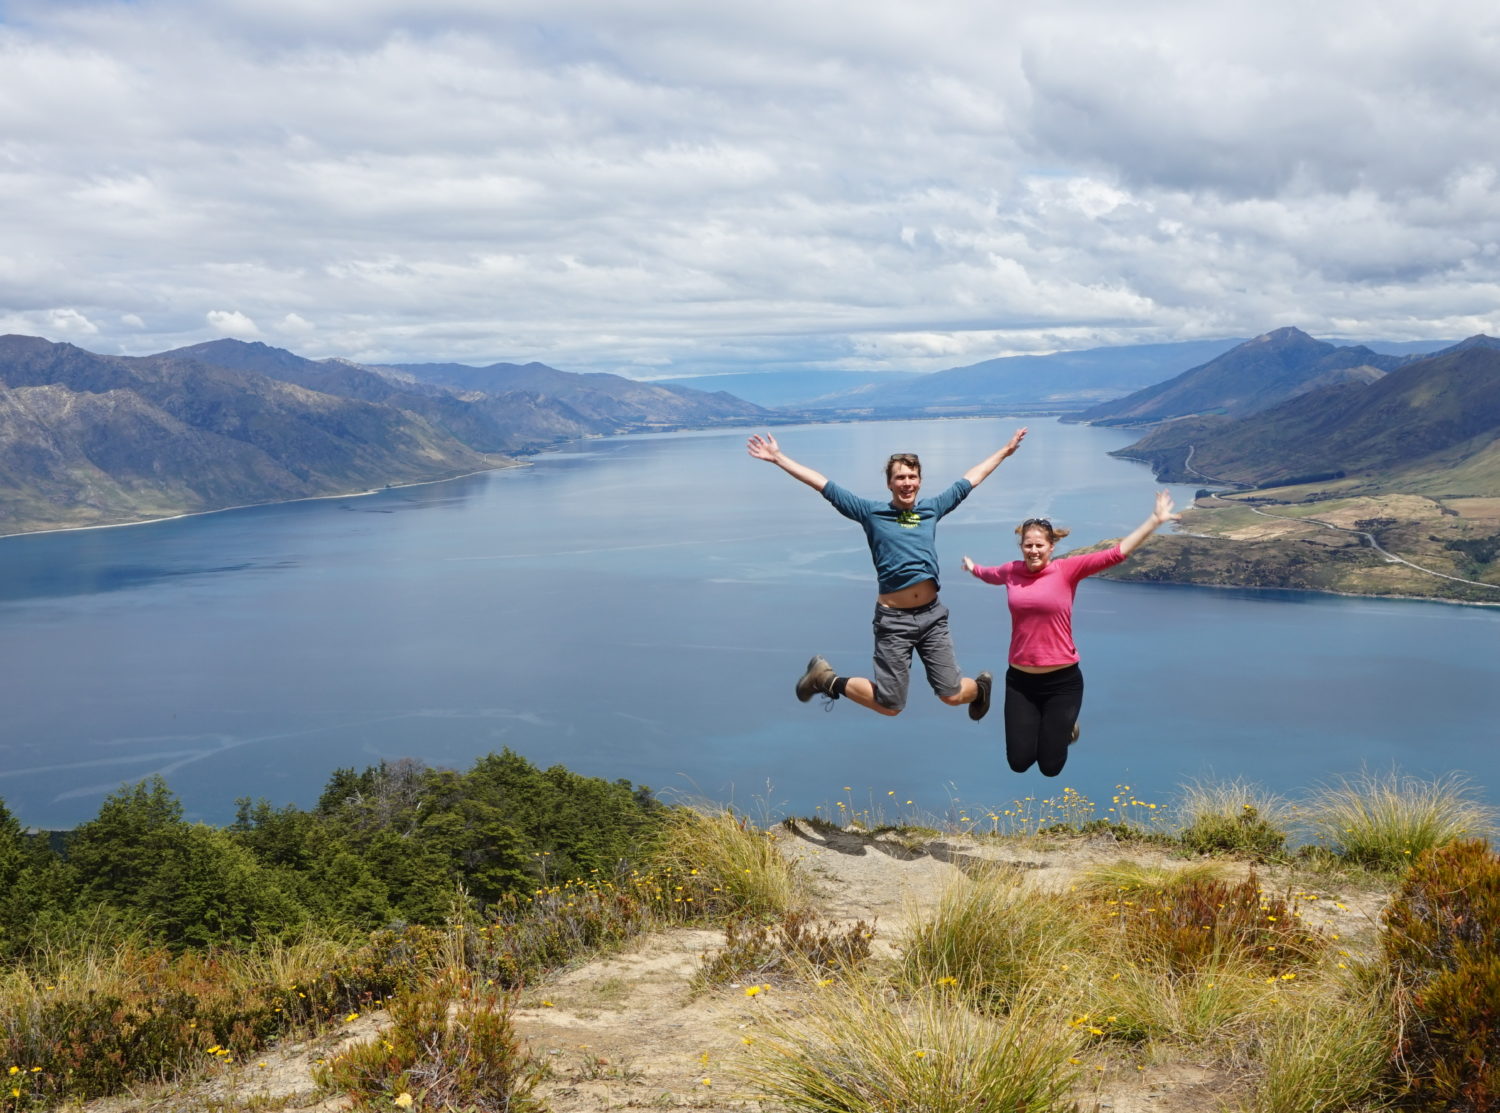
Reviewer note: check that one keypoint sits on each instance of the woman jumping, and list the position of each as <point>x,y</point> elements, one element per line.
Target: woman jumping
<point>1043,685</point>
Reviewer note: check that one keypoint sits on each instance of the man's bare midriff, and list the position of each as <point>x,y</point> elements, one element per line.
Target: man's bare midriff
<point>917,595</point>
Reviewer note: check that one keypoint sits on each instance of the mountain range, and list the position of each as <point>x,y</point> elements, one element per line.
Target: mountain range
<point>88,439</point>
<point>1250,377</point>
<point>1281,410</point>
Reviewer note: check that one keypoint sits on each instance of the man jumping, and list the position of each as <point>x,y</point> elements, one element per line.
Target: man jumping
<point>902,534</point>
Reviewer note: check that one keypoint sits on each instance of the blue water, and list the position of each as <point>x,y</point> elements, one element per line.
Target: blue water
<point>639,607</point>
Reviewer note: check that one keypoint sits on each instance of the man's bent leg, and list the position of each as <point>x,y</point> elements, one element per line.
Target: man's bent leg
<point>862,692</point>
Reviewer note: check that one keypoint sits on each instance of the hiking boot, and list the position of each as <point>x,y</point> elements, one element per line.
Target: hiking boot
<point>1074,736</point>
<point>819,677</point>
<point>981,703</point>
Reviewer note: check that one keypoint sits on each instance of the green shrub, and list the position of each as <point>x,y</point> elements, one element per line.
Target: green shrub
<point>84,1025</point>
<point>450,1045</point>
<point>757,951</point>
<point>1190,926</point>
<point>1442,944</point>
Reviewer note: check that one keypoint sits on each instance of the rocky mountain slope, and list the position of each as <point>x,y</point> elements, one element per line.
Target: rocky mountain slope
<point>1248,378</point>
<point>87,439</point>
<point>1419,424</point>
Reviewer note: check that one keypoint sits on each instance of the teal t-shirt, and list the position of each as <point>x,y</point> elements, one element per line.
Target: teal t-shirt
<point>903,543</point>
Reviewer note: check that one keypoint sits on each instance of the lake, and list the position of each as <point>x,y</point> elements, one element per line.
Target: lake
<point>640,607</point>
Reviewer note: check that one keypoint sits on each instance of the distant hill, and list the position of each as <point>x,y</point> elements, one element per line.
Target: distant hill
<point>1064,380</point>
<point>87,439</point>
<point>1248,378</point>
<point>1431,425</point>
<point>604,403</point>
<point>798,389</point>
<point>501,408</point>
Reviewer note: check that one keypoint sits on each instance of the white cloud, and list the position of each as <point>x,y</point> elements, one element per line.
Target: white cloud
<point>231,323</point>
<point>750,184</point>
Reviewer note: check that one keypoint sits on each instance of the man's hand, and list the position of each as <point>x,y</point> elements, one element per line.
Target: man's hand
<point>763,448</point>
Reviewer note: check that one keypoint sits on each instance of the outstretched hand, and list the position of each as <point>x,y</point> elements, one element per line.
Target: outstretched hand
<point>1015,442</point>
<point>1165,508</point>
<point>968,564</point>
<point>763,448</point>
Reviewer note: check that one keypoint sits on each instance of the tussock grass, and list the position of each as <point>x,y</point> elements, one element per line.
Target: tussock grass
<point>1233,817</point>
<point>1384,821</point>
<point>730,864</point>
<point>993,937</point>
<point>1323,1052</point>
<point>1134,1002</point>
<point>858,1048</point>
<point>1125,876</point>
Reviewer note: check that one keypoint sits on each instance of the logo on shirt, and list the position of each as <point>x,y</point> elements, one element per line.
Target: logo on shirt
<point>908,519</point>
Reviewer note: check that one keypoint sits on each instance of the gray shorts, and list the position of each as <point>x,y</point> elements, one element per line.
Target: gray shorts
<point>897,633</point>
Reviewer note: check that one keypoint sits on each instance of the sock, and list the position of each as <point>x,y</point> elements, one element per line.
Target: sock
<point>836,689</point>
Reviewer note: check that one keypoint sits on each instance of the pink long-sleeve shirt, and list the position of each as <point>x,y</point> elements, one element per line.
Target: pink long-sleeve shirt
<point>1041,604</point>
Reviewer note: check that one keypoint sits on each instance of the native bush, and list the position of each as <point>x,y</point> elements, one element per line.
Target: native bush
<point>1190,926</point>
<point>1442,944</point>
<point>89,1023</point>
<point>450,1045</point>
<point>796,944</point>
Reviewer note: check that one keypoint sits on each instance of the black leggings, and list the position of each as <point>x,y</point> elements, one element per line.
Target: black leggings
<point>1040,711</point>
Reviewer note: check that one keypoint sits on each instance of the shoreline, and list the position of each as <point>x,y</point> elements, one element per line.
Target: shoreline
<point>254,505</point>
<point>1300,591</point>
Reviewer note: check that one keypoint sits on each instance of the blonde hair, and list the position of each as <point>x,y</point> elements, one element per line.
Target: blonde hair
<point>1052,532</point>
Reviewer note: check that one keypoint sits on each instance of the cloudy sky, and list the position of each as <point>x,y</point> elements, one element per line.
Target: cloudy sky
<point>674,187</point>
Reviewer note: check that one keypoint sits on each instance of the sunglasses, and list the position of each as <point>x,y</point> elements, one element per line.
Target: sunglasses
<point>1029,522</point>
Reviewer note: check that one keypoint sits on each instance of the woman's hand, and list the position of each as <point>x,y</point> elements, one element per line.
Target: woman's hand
<point>1165,508</point>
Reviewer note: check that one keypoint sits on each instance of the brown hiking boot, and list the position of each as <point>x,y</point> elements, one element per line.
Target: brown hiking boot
<point>819,677</point>
<point>981,703</point>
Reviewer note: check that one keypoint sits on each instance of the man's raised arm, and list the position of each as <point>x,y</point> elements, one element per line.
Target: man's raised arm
<point>980,471</point>
<point>766,448</point>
